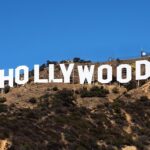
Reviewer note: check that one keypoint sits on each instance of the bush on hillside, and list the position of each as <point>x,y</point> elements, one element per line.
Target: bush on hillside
<point>64,97</point>
<point>3,108</point>
<point>95,91</point>
<point>144,98</point>
<point>7,89</point>
<point>33,100</point>
<point>2,99</point>
<point>55,88</point>
<point>131,85</point>
<point>116,105</point>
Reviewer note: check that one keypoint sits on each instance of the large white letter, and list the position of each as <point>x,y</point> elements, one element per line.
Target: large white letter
<point>66,72</point>
<point>128,73</point>
<point>37,75</point>
<point>8,78</point>
<point>139,64</point>
<point>25,74</point>
<point>51,75</point>
<point>109,74</point>
<point>85,74</point>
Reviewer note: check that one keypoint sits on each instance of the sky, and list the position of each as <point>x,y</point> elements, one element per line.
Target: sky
<point>34,31</point>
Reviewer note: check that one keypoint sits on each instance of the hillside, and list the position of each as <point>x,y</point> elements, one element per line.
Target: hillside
<point>75,117</point>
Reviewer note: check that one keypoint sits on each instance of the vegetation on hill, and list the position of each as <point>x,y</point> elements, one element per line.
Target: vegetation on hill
<point>57,122</point>
<point>95,91</point>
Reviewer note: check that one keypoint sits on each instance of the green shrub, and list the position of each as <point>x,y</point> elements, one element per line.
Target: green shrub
<point>144,98</point>
<point>127,95</point>
<point>116,105</point>
<point>7,89</point>
<point>33,100</point>
<point>95,91</point>
<point>131,85</point>
<point>55,88</point>
<point>2,99</point>
<point>45,96</point>
<point>64,97</point>
<point>3,108</point>
<point>77,91</point>
<point>85,93</point>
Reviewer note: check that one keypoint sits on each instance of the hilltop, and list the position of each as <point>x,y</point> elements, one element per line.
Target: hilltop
<point>77,117</point>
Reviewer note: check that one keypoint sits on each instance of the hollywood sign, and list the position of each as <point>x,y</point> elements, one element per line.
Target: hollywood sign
<point>85,73</point>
